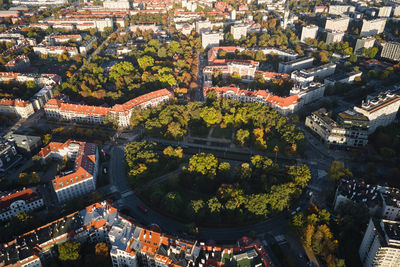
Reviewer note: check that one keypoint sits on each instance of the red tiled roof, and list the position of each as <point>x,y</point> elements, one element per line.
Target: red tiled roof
<point>13,103</point>
<point>28,194</point>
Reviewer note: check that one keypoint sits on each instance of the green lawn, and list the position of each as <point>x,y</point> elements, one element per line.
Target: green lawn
<point>225,133</point>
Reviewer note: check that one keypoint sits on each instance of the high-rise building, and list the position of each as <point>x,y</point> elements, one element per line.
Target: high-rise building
<point>337,24</point>
<point>381,110</point>
<point>309,32</point>
<point>384,11</point>
<point>340,9</point>
<point>365,42</point>
<point>381,243</point>
<point>373,27</point>
<point>210,39</point>
<point>238,31</point>
<point>391,50</point>
<point>334,37</point>
<point>300,63</point>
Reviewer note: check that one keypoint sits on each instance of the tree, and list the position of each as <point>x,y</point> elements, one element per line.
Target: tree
<point>102,250</point>
<point>203,164</point>
<point>224,169</point>
<point>31,84</point>
<point>244,171</point>
<point>242,136</point>
<point>338,171</point>
<point>173,202</point>
<point>46,139</point>
<point>214,205</point>
<point>174,153</point>
<point>24,178</point>
<point>162,52</point>
<point>210,115</point>
<point>165,76</point>
<point>120,70</point>
<point>196,208</point>
<point>300,174</point>
<point>145,62</point>
<point>69,251</point>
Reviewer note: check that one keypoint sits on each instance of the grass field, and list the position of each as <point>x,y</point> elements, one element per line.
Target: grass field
<point>225,133</point>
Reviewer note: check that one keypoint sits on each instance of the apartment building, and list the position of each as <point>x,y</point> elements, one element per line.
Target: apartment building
<point>284,105</point>
<point>391,50</point>
<point>365,42</point>
<point>334,37</point>
<point>210,39</point>
<point>340,9</point>
<point>25,200</point>
<point>305,76</point>
<point>373,27</point>
<point>238,31</point>
<point>300,63</point>
<point>381,243</point>
<point>58,109</point>
<point>308,93</point>
<point>87,45</point>
<point>109,4</point>
<point>8,154</point>
<point>384,11</point>
<point>130,244</point>
<point>381,110</point>
<point>55,50</point>
<point>343,78</point>
<point>20,108</point>
<point>84,23</point>
<point>351,131</point>
<point>337,24</point>
<point>19,63</point>
<point>309,32</point>
<point>246,69</point>
<point>82,179</point>
<point>40,2</point>
<point>391,203</point>
<point>357,191</point>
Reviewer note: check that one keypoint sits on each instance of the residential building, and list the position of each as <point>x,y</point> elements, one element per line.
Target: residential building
<point>341,9</point>
<point>391,50</point>
<point>357,191</point>
<point>381,243</point>
<point>238,31</point>
<point>300,63</point>
<point>87,45</point>
<point>284,105</point>
<point>40,2</point>
<point>25,144</point>
<point>321,9</point>
<point>210,39</point>
<point>391,203</point>
<point>308,93</point>
<point>396,11</point>
<point>63,38</point>
<point>246,69</point>
<point>118,4</point>
<point>309,32</point>
<point>203,26</point>
<point>334,37</point>
<point>41,97</point>
<point>384,11</point>
<point>8,154</point>
<point>130,244</point>
<point>19,63</point>
<point>56,50</point>
<point>381,110</point>
<point>82,179</point>
<point>84,22</point>
<point>58,109</point>
<point>337,24</point>
<point>307,75</point>
<point>373,27</point>
<point>44,79</point>
<point>343,78</point>
<point>281,53</point>
<point>365,42</point>
<point>20,108</point>
<point>22,201</point>
<point>349,132</point>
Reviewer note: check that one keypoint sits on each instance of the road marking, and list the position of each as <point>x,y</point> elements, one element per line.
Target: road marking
<point>126,194</point>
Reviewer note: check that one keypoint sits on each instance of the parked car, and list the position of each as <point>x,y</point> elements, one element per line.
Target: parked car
<point>141,208</point>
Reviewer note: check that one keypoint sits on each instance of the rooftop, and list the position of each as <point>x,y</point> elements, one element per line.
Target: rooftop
<point>358,191</point>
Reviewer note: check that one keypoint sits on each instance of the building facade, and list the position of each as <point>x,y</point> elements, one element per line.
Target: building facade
<point>8,154</point>
<point>337,24</point>
<point>20,108</point>
<point>22,201</point>
<point>211,39</point>
<point>309,32</point>
<point>366,42</point>
<point>300,63</point>
<point>238,31</point>
<point>391,50</point>
<point>373,27</point>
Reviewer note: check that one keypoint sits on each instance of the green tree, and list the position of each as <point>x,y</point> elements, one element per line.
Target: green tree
<point>210,115</point>
<point>165,76</point>
<point>120,70</point>
<point>242,136</point>
<point>69,251</point>
<point>203,164</point>
<point>214,205</point>
<point>338,171</point>
<point>31,84</point>
<point>162,52</point>
<point>46,139</point>
<point>145,62</point>
<point>172,202</point>
<point>174,153</point>
<point>244,171</point>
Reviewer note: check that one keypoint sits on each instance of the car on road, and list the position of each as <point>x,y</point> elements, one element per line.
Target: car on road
<point>142,208</point>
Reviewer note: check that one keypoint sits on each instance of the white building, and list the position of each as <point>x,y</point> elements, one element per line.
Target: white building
<point>203,26</point>
<point>22,201</point>
<point>380,110</point>
<point>40,2</point>
<point>350,132</point>
<point>56,50</point>
<point>373,27</point>
<point>384,11</point>
<point>238,31</point>
<point>391,203</point>
<point>321,71</point>
<point>210,39</point>
<point>334,37</point>
<point>365,42</point>
<point>84,23</point>
<point>340,9</point>
<point>300,63</point>
<point>381,244</point>
<point>19,63</point>
<point>82,179</point>
<point>20,108</point>
<point>87,45</point>
<point>391,50</point>
<point>308,93</point>
<point>309,32</point>
<point>337,24</point>
<point>343,78</point>
<point>119,4</point>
